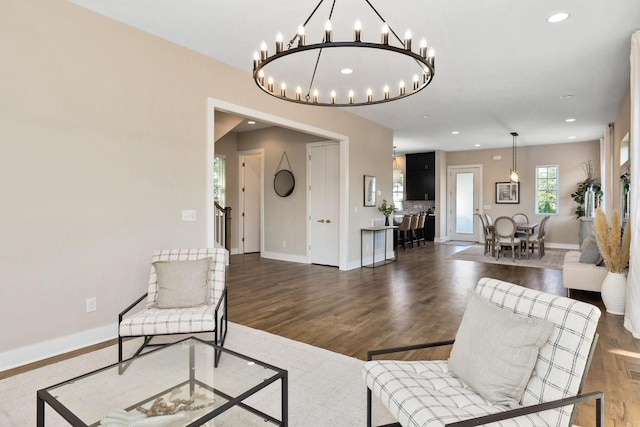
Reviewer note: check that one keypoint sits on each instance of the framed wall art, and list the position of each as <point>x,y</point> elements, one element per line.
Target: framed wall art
<point>369,190</point>
<point>508,192</point>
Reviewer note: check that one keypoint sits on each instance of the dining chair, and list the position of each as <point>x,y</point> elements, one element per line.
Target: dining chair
<point>520,218</point>
<point>489,219</point>
<point>504,229</point>
<point>403,231</point>
<point>538,239</point>
<point>487,234</point>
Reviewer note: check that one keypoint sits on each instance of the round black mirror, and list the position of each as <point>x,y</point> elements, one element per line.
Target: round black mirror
<point>284,183</point>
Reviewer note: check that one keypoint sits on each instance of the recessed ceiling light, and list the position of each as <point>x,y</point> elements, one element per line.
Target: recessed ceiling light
<point>251,122</point>
<point>558,17</point>
<point>565,96</point>
<point>455,132</point>
<point>476,145</point>
<point>570,120</point>
<point>346,71</point>
<point>572,137</point>
<point>426,116</point>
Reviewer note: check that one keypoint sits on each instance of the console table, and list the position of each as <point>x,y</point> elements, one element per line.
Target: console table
<point>373,231</point>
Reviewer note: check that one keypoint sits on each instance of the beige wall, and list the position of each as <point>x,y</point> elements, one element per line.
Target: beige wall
<point>562,229</point>
<point>103,131</point>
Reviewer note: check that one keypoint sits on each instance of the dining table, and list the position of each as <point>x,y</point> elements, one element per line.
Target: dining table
<point>528,228</point>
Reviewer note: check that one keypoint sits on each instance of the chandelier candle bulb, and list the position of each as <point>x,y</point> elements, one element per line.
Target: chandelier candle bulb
<point>298,93</point>
<point>416,82</point>
<point>402,88</point>
<point>301,37</point>
<point>369,95</point>
<point>384,35</point>
<point>264,53</point>
<point>386,92</point>
<point>279,43</point>
<point>315,95</point>
<point>357,32</point>
<point>425,76</point>
<point>351,97</point>
<point>328,32</point>
<point>256,59</point>
<point>407,40</point>
<point>270,84</point>
<point>423,47</point>
<point>261,77</point>
<point>283,89</point>
<point>333,96</point>
<point>431,57</point>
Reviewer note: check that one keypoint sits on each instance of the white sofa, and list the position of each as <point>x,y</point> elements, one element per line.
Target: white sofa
<point>580,275</point>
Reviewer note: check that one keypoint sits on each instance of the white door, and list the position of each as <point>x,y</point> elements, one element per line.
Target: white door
<point>250,195</point>
<point>464,202</point>
<point>324,193</point>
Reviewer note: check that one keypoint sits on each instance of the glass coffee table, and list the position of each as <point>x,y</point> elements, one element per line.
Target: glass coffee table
<point>175,385</point>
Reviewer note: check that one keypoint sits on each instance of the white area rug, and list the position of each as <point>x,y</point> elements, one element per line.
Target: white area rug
<point>325,388</point>
<point>553,258</point>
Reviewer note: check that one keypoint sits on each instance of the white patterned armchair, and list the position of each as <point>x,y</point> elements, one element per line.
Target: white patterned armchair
<point>547,344</point>
<point>184,297</point>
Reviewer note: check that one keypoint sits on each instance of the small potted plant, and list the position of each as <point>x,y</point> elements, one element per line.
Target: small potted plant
<point>387,209</point>
<point>613,242</point>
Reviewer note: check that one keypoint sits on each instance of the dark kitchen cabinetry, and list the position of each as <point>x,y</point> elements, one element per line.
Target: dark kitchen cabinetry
<point>430,228</point>
<point>421,176</point>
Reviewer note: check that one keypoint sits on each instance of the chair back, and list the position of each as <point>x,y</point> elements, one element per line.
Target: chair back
<point>215,277</point>
<point>504,227</point>
<point>541,230</point>
<point>483,221</point>
<point>414,221</point>
<point>406,223</point>
<point>489,219</point>
<point>563,361</point>
<point>521,218</point>
<point>421,220</point>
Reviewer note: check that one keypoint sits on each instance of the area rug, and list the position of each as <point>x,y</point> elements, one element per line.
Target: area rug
<point>325,388</point>
<point>553,258</point>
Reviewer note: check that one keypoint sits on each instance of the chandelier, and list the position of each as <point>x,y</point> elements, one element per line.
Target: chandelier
<point>513,175</point>
<point>423,64</point>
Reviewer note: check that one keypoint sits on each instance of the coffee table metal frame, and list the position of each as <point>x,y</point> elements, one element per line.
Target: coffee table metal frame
<point>43,395</point>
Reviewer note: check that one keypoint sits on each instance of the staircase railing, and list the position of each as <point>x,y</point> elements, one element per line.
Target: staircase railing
<point>222,226</point>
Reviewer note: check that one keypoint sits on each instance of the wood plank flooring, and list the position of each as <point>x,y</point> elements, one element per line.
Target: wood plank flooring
<point>421,298</point>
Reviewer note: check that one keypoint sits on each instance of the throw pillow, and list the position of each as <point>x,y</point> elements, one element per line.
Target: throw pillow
<point>589,252</point>
<point>182,283</point>
<point>496,350</point>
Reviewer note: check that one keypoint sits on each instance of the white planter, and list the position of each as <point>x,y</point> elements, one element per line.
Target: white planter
<point>614,292</point>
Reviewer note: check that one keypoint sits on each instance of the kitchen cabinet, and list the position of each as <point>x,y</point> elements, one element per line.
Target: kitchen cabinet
<point>430,228</point>
<point>421,176</point>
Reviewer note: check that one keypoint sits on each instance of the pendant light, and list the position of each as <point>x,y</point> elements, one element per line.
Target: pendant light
<point>513,176</point>
<point>397,172</point>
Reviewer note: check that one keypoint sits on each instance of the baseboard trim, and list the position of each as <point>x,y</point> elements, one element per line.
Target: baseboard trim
<point>285,257</point>
<point>570,246</point>
<point>37,352</point>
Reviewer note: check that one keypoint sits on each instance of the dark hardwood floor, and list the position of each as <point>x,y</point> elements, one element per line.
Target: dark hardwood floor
<point>421,298</point>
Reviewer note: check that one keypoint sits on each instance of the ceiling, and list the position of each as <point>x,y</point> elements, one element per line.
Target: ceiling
<point>500,66</point>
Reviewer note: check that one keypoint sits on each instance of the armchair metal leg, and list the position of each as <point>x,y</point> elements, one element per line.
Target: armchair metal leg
<point>368,407</point>
<point>600,412</point>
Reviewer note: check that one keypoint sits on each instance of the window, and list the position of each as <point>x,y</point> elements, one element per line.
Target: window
<point>398,188</point>
<point>547,188</point>
<point>219,180</point>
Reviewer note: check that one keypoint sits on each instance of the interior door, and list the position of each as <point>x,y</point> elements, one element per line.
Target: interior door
<point>324,191</point>
<point>464,203</point>
<point>251,177</point>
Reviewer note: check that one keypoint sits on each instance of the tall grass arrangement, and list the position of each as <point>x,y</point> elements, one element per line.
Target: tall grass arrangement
<point>613,241</point>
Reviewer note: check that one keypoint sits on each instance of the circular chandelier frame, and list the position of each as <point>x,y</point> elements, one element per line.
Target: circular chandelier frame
<point>424,60</point>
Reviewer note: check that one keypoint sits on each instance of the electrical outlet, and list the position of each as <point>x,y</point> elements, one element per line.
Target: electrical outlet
<point>91,304</point>
<point>188,215</point>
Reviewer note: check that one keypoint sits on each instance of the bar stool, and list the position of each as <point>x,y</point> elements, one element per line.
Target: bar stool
<point>403,230</point>
<point>414,227</point>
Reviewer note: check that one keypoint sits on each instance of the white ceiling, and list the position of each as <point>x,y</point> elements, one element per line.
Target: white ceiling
<point>500,66</point>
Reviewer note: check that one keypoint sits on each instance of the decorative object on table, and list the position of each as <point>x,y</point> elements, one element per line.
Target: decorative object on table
<point>387,209</point>
<point>284,181</point>
<point>369,190</point>
<point>614,244</point>
<point>513,173</point>
<point>420,65</point>
<point>508,192</point>
<point>122,418</point>
<point>579,196</point>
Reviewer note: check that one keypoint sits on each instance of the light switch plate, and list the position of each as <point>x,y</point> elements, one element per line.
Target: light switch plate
<point>188,215</point>
<point>486,207</point>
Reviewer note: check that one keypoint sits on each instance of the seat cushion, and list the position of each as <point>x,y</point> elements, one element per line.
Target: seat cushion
<point>427,394</point>
<point>153,321</point>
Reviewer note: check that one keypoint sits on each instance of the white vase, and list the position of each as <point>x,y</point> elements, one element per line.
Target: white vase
<point>614,292</point>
